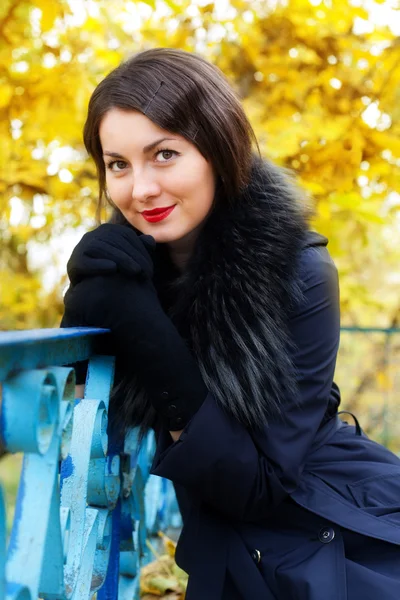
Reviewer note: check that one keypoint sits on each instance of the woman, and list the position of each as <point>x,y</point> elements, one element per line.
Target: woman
<point>226,331</point>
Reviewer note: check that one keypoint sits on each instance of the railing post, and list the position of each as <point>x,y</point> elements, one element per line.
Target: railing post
<point>81,529</point>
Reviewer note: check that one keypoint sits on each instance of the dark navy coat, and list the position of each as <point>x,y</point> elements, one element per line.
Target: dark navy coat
<point>299,511</point>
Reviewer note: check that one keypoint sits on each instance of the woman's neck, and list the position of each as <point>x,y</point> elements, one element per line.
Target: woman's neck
<point>181,250</point>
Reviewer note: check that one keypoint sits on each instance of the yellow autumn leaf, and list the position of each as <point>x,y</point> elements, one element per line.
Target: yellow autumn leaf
<point>50,11</point>
<point>387,141</point>
<point>6,93</point>
<point>169,545</point>
<point>313,187</point>
<point>384,381</point>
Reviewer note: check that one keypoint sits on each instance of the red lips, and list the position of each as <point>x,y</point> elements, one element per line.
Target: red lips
<point>157,214</point>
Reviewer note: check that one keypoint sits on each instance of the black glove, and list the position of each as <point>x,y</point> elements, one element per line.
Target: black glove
<point>145,340</point>
<point>111,248</point>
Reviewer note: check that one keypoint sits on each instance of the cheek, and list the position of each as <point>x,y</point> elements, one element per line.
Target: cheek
<point>202,203</point>
<point>204,193</point>
<point>119,191</point>
<point>197,189</point>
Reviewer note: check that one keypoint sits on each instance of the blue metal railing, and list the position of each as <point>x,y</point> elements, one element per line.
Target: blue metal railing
<point>81,528</point>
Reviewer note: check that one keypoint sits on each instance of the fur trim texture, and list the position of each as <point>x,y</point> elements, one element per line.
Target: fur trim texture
<point>236,295</point>
<point>233,301</point>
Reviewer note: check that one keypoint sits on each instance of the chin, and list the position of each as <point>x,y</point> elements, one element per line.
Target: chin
<point>160,236</point>
<point>165,237</point>
<point>164,233</point>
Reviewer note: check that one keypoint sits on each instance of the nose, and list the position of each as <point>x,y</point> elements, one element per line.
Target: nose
<point>145,186</point>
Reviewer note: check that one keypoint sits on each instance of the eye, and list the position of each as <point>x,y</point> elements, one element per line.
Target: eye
<point>116,165</point>
<point>165,155</point>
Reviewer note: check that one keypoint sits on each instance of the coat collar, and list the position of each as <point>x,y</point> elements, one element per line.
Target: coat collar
<point>234,300</point>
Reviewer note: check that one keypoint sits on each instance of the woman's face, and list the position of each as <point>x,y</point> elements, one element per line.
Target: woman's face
<point>159,181</point>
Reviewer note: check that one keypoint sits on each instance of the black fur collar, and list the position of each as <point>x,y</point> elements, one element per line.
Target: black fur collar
<point>233,301</point>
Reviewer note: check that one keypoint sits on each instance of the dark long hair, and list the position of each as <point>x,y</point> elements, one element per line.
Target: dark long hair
<point>186,95</point>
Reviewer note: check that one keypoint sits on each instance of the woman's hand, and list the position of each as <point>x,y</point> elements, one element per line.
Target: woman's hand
<point>111,287</point>
<point>144,339</point>
<point>111,248</point>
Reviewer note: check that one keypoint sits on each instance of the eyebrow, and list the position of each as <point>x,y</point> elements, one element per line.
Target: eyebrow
<point>145,149</point>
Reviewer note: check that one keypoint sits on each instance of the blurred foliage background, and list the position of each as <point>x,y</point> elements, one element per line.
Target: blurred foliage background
<point>320,81</point>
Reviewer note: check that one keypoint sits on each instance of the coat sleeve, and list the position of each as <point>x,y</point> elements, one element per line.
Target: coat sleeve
<point>243,474</point>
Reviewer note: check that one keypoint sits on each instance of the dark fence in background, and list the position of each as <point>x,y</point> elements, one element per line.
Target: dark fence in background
<point>368,374</point>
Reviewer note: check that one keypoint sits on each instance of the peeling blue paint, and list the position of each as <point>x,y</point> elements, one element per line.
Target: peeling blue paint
<point>37,348</point>
<point>109,591</point>
<point>61,529</point>
<point>109,464</point>
<point>67,467</point>
<point>12,546</point>
<point>126,527</point>
<point>12,588</point>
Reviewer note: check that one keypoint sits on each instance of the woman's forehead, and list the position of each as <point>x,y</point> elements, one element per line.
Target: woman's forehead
<point>132,128</point>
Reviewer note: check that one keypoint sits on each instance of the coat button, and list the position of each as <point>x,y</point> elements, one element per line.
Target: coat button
<point>256,556</point>
<point>171,409</point>
<point>164,395</point>
<point>326,535</point>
